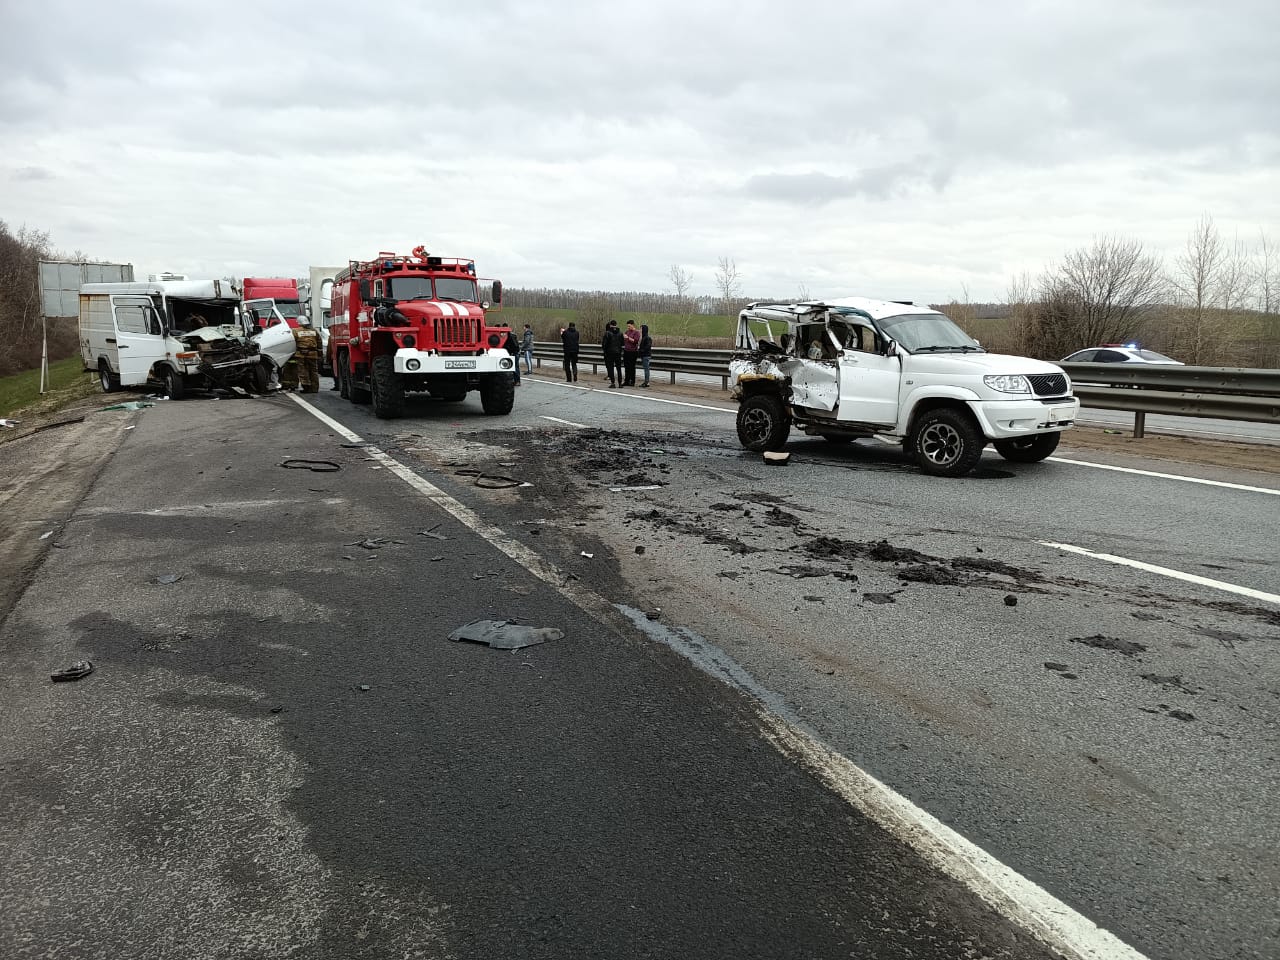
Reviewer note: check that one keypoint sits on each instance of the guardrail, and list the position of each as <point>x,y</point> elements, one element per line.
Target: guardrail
<point>1220,393</point>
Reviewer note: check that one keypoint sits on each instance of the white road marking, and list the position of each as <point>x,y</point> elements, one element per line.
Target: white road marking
<point>1023,902</point>
<point>567,423</point>
<point>1165,476</point>
<point>1166,572</point>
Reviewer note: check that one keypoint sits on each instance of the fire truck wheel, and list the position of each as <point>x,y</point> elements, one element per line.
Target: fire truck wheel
<point>388,388</point>
<point>497,394</point>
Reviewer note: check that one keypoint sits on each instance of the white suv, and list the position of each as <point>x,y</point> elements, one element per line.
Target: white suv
<point>851,368</point>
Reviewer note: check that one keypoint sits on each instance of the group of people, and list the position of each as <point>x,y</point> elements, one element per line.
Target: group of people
<point>623,349</point>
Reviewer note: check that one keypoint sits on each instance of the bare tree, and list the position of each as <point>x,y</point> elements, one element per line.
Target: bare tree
<point>803,293</point>
<point>1267,274</point>
<point>728,283</point>
<point>20,308</point>
<point>1197,274</point>
<point>681,280</point>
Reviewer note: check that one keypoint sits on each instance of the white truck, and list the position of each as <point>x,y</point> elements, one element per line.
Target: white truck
<point>857,367</point>
<point>178,334</point>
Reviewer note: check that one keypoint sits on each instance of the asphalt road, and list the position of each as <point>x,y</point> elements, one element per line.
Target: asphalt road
<point>1111,736</point>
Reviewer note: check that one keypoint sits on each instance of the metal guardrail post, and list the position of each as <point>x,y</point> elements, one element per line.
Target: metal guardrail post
<point>1139,425</point>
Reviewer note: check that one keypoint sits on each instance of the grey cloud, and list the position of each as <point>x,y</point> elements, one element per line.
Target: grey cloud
<point>817,189</point>
<point>32,173</point>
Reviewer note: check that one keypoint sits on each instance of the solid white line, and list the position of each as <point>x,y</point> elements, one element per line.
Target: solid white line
<point>1165,476</point>
<point>1166,572</point>
<point>1025,903</point>
<point>637,396</point>
<point>567,423</point>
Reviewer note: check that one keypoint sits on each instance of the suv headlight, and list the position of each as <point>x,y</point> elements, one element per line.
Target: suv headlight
<point>1006,383</point>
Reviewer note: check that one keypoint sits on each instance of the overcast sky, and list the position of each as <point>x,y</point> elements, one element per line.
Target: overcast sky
<point>898,149</point>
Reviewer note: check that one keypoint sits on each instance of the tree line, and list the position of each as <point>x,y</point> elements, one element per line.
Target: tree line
<point>21,251</point>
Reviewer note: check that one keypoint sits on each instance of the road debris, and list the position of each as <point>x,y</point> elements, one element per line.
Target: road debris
<point>373,543</point>
<point>491,481</point>
<point>430,532</point>
<point>640,551</point>
<point>1130,648</point>
<point>504,634</point>
<point>646,486</point>
<point>168,578</point>
<point>81,668</point>
<point>315,466</point>
<point>129,405</point>
<point>1010,600</point>
<point>8,424</point>
<point>775,458</point>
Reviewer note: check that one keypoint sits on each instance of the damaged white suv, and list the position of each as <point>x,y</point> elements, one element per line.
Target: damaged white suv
<point>851,368</point>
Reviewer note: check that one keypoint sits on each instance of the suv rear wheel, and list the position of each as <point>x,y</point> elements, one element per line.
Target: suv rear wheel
<point>1031,449</point>
<point>946,443</point>
<point>763,423</point>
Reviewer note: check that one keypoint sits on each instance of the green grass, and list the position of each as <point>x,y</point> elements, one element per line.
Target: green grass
<point>546,322</point>
<point>23,389</point>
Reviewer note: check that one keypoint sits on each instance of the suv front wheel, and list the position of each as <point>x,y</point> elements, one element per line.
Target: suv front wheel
<point>763,423</point>
<point>946,443</point>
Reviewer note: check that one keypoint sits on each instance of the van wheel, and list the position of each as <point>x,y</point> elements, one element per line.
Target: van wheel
<point>1028,449</point>
<point>174,384</point>
<point>763,423</point>
<point>110,382</point>
<point>259,377</point>
<point>946,443</point>
<point>388,388</point>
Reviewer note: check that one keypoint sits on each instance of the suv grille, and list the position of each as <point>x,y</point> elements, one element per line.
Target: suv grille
<point>1048,384</point>
<point>458,331</point>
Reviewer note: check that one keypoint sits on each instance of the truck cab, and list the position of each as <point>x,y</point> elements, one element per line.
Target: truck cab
<point>417,323</point>
<point>858,367</point>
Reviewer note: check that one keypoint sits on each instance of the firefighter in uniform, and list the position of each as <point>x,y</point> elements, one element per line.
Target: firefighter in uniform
<point>303,368</point>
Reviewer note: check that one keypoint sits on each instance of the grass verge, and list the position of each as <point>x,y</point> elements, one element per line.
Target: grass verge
<point>20,392</point>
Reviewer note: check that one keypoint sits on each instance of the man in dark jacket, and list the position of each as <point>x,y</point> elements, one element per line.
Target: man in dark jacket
<point>512,346</point>
<point>646,351</point>
<point>571,340</point>
<point>611,345</point>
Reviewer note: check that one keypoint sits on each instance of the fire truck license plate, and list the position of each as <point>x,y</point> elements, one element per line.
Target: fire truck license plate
<point>459,364</point>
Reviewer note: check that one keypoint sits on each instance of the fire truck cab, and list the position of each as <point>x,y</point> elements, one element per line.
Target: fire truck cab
<point>401,324</point>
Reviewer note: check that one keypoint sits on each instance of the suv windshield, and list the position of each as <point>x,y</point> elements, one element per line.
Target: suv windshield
<point>289,308</point>
<point>929,333</point>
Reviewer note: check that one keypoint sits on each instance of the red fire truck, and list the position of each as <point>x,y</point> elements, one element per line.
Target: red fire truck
<point>416,323</point>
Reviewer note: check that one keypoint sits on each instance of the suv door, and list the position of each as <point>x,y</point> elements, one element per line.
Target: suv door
<point>870,383</point>
<point>140,349</point>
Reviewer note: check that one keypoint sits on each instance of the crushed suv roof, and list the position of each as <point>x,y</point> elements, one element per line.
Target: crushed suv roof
<point>867,306</point>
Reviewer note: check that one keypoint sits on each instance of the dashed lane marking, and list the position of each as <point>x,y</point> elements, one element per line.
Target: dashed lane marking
<point>1023,902</point>
<point>567,423</point>
<point>1166,572</point>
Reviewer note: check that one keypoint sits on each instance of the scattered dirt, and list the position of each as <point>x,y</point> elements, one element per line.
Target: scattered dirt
<point>1169,682</point>
<point>878,598</point>
<point>1130,648</point>
<point>916,567</point>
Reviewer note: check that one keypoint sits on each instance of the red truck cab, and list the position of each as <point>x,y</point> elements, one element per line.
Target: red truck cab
<point>275,299</point>
<point>417,323</point>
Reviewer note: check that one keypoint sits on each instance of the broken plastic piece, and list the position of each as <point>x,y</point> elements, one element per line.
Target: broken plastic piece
<point>505,634</point>
<point>7,423</point>
<point>315,466</point>
<point>650,486</point>
<point>81,668</point>
<point>130,405</point>
<point>589,556</point>
<point>776,458</point>
<point>168,578</point>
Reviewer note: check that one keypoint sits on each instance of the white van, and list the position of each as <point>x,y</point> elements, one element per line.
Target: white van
<point>181,334</point>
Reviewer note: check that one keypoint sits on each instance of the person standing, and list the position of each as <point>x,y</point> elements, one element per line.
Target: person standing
<point>307,355</point>
<point>646,351</point>
<point>571,340</point>
<point>611,346</point>
<point>526,348</point>
<point>630,352</point>
<point>512,346</point>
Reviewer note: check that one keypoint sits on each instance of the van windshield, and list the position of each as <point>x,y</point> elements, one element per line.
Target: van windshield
<point>929,333</point>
